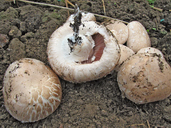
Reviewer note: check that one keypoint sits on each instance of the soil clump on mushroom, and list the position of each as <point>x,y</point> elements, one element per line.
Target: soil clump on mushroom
<point>92,104</point>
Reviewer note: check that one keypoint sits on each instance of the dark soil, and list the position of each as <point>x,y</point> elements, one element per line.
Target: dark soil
<point>25,32</point>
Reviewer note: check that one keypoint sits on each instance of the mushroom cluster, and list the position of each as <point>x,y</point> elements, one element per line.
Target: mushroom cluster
<point>83,50</point>
<point>143,74</point>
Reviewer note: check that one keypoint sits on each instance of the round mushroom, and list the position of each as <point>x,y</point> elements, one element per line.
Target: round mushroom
<point>138,37</point>
<point>145,78</point>
<point>119,29</point>
<point>31,90</point>
<point>82,51</point>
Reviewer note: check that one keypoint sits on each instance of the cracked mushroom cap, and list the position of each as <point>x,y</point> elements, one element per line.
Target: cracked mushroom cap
<point>93,58</point>
<point>145,78</point>
<point>32,91</point>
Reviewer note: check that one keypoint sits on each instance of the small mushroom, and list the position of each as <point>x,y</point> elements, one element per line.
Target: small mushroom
<point>32,91</point>
<point>125,54</point>
<point>144,78</point>
<point>138,37</point>
<point>82,51</point>
<point>119,29</point>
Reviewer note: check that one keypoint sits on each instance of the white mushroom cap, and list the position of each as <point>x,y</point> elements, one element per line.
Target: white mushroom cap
<point>145,78</point>
<point>97,55</point>
<point>138,37</point>
<point>149,50</point>
<point>85,17</point>
<point>31,90</point>
<point>119,29</point>
<point>125,54</point>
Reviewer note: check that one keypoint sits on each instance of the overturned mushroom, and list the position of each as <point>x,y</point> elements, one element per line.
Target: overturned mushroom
<point>144,78</point>
<point>31,90</point>
<point>82,51</point>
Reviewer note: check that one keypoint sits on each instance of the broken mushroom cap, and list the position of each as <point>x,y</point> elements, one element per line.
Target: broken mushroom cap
<point>32,91</point>
<point>119,29</point>
<point>125,54</point>
<point>138,37</point>
<point>85,17</point>
<point>145,78</point>
<point>93,57</point>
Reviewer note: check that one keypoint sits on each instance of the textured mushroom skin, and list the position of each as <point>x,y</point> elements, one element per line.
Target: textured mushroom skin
<point>145,78</point>
<point>31,90</point>
<point>69,66</point>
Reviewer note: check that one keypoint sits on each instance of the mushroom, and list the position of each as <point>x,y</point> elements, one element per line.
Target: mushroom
<point>82,51</point>
<point>125,54</point>
<point>31,90</point>
<point>138,37</point>
<point>144,78</point>
<point>119,29</point>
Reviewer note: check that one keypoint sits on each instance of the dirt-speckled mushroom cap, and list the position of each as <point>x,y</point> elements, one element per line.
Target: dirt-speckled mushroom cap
<point>119,29</point>
<point>149,50</point>
<point>138,37</point>
<point>145,78</point>
<point>32,91</point>
<point>94,58</point>
<point>125,54</point>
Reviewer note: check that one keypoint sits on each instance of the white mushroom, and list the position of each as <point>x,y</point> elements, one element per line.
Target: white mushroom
<point>119,29</point>
<point>145,78</point>
<point>125,54</point>
<point>82,51</point>
<point>31,90</point>
<point>138,37</point>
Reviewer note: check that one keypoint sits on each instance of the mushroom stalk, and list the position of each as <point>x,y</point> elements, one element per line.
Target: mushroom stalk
<point>75,39</point>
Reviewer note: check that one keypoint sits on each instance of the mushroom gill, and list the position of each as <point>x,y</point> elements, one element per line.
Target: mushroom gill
<point>97,49</point>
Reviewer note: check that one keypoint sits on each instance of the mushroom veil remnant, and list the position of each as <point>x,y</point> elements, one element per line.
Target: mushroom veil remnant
<point>31,90</point>
<point>81,51</point>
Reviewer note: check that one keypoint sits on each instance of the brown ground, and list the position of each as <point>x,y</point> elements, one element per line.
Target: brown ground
<point>96,104</point>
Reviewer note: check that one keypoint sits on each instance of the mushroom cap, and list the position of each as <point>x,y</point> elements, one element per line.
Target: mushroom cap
<point>145,78</point>
<point>69,65</point>
<point>125,54</point>
<point>119,29</point>
<point>85,17</point>
<point>31,90</point>
<point>149,50</point>
<point>138,37</point>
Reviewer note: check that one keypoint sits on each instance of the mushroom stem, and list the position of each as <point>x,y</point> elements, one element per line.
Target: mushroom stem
<point>75,39</point>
